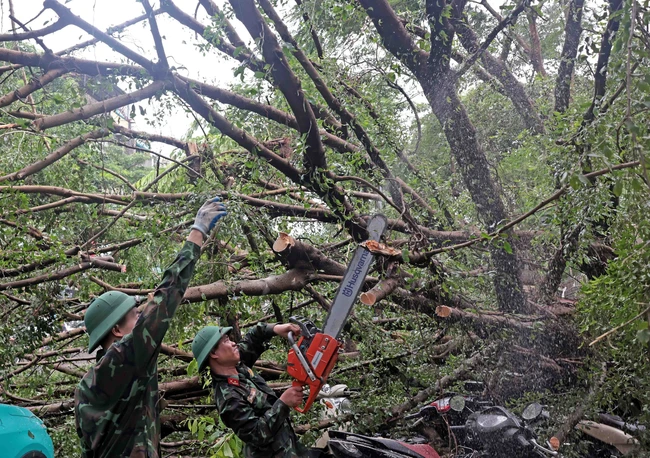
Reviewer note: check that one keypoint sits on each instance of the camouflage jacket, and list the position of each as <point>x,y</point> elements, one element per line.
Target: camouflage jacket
<point>116,402</point>
<point>251,409</point>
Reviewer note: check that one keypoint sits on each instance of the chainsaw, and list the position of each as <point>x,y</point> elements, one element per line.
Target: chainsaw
<point>312,358</point>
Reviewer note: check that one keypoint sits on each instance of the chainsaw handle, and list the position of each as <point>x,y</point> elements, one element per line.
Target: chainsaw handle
<point>313,393</point>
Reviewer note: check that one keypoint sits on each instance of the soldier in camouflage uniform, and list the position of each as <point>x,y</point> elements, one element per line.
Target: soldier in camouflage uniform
<point>245,402</point>
<point>116,402</point>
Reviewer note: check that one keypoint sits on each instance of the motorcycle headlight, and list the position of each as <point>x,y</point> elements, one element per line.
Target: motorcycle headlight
<point>345,406</point>
<point>491,421</point>
<point>349,447</point>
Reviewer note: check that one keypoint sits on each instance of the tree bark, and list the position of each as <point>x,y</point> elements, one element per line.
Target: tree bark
<point>474,168</point>
<point>572,31</point>
<point>600,73</point>
<point>439,88</point>
<point>248,14</point>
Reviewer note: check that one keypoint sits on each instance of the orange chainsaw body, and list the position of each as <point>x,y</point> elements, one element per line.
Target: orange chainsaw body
<point>321,355</point>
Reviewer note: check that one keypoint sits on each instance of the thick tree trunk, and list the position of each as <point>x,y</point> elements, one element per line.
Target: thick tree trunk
<point>438,83</point>
<point>572,31</point>
<point>600,75</point>
<point>474,168</point>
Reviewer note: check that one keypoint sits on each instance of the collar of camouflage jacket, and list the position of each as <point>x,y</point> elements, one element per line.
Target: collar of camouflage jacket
<point>242,371</point>
<point>100,354</point>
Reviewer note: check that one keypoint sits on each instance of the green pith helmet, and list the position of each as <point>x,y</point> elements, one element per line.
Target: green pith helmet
<point>104,313</point>
<point>205,341</point>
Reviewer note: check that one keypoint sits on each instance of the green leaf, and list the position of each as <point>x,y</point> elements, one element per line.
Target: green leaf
<point>507,247</point>
<point>574,181</point>
<point>618,188</point>
<point>643,336</point>
<point>405,254</point>
<point>192,368</point>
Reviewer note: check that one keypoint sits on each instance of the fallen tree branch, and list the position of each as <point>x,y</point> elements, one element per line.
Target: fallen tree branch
<point>34,85</point>
<point>558,438</point>
<point>66,15</point>
<point>82,266</point>
<point>382,289</point>
<point>611,331</point>
<point>54,156</point>
<point>464,368</point>
<point>538,207</point>
<point>104,106</point>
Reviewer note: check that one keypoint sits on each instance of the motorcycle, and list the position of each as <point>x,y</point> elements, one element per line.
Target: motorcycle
<point>476,428</point>
<point>480,429</point>
<point>343,444</point>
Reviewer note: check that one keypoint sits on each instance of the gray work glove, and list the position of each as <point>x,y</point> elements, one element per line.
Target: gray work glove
<point>208,215</point>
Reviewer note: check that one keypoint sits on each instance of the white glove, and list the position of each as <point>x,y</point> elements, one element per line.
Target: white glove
<point>208,215</point>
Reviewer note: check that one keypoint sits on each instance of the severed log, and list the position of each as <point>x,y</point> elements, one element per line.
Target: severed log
<point>382,289</point>
<point>57,407</point>
<point>291,280</point>
<point>177,386</point>
<point>299,254</point>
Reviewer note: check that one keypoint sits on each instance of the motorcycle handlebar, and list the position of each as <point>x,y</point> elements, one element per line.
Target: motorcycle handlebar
<point>523,441</point>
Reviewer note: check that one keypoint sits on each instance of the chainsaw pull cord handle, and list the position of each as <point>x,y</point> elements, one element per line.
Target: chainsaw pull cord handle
<point>305,364</point>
